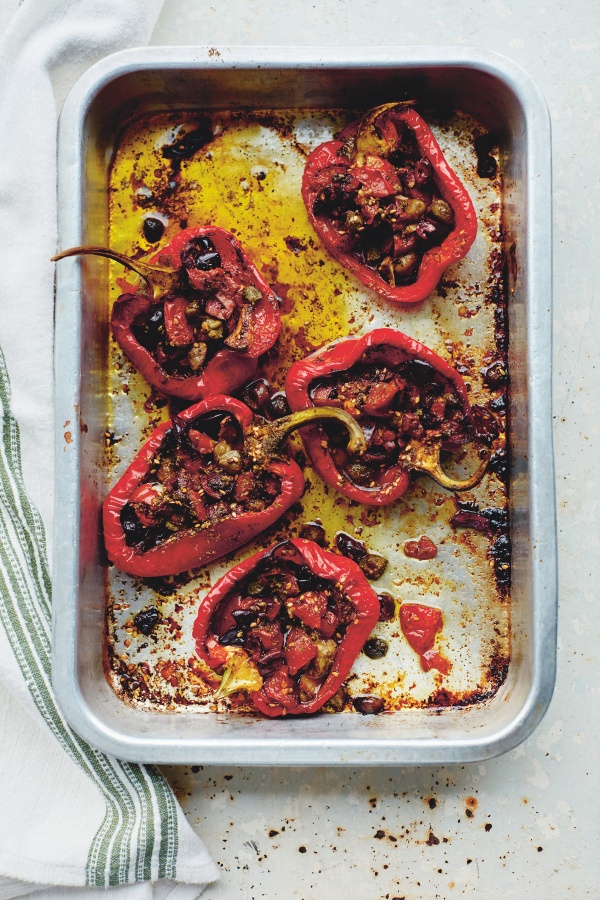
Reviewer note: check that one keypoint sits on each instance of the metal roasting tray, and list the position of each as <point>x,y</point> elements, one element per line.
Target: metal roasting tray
<point>485,88</point>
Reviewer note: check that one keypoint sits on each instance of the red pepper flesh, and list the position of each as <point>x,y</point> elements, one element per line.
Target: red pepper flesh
<point>188,549</point>
<point>391,482</point>
<point>276,696</point>
<point>420,625</point>
<point>228,369</point>
<point>331,159</point>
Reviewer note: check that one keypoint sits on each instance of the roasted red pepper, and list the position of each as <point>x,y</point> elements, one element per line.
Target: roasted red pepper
<point>208,316</point>
<point>203,484</point>
<point>286,625</point>
<point>387,205</point>
<point>410,403</point>
<point>420,626</point>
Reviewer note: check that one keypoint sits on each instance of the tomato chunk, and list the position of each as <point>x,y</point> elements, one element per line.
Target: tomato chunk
<point>179,330</point>
<point>299,650</point>
<point>279,688</point>
<point>309,607</point>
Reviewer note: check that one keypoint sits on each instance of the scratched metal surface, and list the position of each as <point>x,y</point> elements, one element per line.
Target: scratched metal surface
<point>247,180</point>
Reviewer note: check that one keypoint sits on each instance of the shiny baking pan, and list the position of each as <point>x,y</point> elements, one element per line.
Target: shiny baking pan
<point>502,98</point>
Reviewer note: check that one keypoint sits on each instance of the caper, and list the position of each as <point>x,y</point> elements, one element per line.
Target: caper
<point>408,209</point>
<point>193,310</point>
<point>360,473</point>
<point>338,702</point>
<point>227,458</point>
<point>251,295</point>
<point>442,211</point>
<point>375,648</point>
<point>405,264</point>
<point>372,255</point>
<point>197,356</point>
<point>255,588</point>
<point>212,329</point>
<point>354,221</point>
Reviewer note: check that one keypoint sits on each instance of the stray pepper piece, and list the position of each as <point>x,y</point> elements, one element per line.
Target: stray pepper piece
<point>204,318</point>
<point>387,205</point>
<point>308,668</point>
<point>409,402</point>
<point>189,498</point>
<point>420,626</point>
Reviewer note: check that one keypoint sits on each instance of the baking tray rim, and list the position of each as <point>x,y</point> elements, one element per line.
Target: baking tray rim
<point>370,750</point>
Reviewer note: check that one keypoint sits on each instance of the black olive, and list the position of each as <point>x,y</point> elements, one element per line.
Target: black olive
<point>375,648</point>
<point>349,546</point>
<point>243,617</point>
<point>499,465</point>
<point>495,374</point>
<point>133,529</point>
<point>484,143</point>
<point>387,607</point>
<point>232,638</point>
<point>153,230</point>
<point>368,706</point>
<point>151,331</point>
<point>200,253</point>
<point>190,142</point>
<point>486,164</point>
<point>418,371</point>
<point>256,394</point>
<point>277,407</point>
<point>487,167</point>
<point>146,620</point>
<point>210,424</point>
<point>498,518</point>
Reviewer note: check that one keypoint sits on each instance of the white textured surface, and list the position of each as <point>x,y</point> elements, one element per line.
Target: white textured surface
<point>545,794</point>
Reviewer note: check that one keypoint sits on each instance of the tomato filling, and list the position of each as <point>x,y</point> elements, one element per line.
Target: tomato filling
<point>394,402</point>
<point>387,211</point>
<point>289,622</point>
<point>198,476</point>
<point>211,310</point>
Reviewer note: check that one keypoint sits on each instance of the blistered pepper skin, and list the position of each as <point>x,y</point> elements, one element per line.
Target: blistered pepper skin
<point>228,369</point>
<point>192,548</point>
<point>455,246</point>
<point>325,564</point>
<point>339,357</point>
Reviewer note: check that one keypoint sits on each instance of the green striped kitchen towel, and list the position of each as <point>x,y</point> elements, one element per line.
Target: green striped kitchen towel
<point>72,818</point>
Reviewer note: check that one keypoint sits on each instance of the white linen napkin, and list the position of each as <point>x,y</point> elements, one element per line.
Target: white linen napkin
<point>71,818</point>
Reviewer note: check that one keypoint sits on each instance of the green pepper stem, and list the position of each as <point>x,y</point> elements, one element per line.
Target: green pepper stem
<point>262,441</point>
<point>369,141</point>
<point>160,279</point>
<point>426,458</point>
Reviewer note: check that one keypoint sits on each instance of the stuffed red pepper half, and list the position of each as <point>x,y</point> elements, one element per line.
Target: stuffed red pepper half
<point>410,404</point>
<point>203,484</point>
<point>387,205</point>
<point>285,626</point>
<point>206,318</point>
